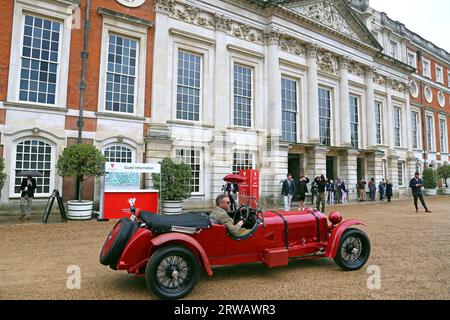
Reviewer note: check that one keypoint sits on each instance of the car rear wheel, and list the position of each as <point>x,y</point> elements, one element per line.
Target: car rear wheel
<point>116,242</point>
<point>353,251</point>
<point>172,272</point>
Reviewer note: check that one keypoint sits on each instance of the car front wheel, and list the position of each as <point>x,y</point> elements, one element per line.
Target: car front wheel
<point>172,272</point>
<point>353,251</point>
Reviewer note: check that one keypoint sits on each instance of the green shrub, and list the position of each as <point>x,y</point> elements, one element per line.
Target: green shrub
<point>80,161</point>
<point>2,174</point>
<point>444,173</point>
<point>175,179</point>
<point>429,178</point>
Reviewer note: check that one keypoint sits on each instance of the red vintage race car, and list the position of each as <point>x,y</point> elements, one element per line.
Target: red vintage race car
<point>171,251</point>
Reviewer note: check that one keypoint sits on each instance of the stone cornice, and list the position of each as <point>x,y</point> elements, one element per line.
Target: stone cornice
<point>124,17</point>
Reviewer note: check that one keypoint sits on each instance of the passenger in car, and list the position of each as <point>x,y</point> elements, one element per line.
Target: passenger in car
<point>221,216</point>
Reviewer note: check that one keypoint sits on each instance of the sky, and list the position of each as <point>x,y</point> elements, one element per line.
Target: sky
<point>430,19</point>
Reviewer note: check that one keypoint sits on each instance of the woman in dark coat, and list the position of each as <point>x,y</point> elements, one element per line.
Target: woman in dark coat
<point>302,191</point>
<point>388,190</point>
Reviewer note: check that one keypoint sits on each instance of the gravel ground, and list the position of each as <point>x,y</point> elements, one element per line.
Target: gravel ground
<point>411,249</point>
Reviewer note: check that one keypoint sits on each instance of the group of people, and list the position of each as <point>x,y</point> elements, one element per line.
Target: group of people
<point>322,191</point>
<point>384,189</point>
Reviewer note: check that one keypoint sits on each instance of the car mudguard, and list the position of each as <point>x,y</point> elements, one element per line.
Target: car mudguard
<point>174,237</point>
<point>336,235</point>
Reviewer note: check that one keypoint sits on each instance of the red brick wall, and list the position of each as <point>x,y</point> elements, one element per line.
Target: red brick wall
<point>2,115</point>
<point>6,14</point>
<point>146,11</point>
<point>90,124</point>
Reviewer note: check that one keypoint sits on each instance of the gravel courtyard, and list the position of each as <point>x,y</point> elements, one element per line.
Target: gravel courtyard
<point>411,249</point>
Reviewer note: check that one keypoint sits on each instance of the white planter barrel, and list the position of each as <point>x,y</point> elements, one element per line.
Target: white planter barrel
<point>172,207</point>
<point>79,210</point>
<point>430,192</point>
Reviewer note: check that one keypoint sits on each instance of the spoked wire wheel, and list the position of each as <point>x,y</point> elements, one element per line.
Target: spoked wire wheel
<point>353,251</point>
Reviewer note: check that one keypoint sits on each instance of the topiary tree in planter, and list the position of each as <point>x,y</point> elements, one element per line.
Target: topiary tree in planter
<point>444,173</point>
<point>430,181</point>
<point>80,161</point>
<point>2,174</point>
<point>175,184</point>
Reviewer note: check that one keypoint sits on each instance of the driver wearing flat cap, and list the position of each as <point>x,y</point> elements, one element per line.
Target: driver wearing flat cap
<point>221,216</point>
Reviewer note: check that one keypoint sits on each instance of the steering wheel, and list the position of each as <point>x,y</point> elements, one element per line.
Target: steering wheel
<point>242,213</point>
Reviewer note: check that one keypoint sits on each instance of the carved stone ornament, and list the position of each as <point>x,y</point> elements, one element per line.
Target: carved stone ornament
<point>344,62</point>
<point>222,23</point>
<point>379,79</point>
<point>312,49</point>
<point>325,14</point>
<point>165,6</point>
<point>271,35</point>
<point>326,62</point>
<point>356,69</point>
<point>291,45</point>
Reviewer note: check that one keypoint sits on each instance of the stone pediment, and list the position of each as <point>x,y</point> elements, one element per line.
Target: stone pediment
<point>334,14</point>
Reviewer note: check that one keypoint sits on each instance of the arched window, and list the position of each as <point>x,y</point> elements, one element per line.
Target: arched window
<point>419,167</point>
<point>34,155</point>
<point>119,153</point>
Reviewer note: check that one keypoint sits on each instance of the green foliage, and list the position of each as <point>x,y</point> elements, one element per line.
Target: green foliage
<point>175,180</point>
<point>81,160</point>
<point>2,174</point>
<point>444,173</point>
<point>429,178</point>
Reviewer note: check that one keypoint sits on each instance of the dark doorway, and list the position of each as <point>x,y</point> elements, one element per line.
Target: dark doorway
<point>360,170</point>
<point>331,162</point>
<point>294,165</point>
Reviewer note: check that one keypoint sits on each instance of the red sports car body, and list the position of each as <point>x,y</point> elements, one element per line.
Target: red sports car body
<point>170,251</point>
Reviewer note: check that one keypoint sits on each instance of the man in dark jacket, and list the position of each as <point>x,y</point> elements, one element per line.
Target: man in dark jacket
<point>302,191</point>
<point>288,191</point>
<point>416,185</point>
<point>28,186</point>
<point>321,187</point>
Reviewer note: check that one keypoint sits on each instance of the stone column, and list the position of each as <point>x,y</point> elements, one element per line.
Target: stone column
<point>393,172</point>
<point>370,109</point>
<point>375,166</point>
<point>344,108</point>
<point>316,162</point>
<point>408,124</point>
<point>274,152</point>
<point>348,171</point>
<point>272,37</point>
<point>312,94</point>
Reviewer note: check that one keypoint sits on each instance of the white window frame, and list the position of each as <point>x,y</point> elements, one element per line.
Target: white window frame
<point>441,72</point>
<point>414,61</point>
<point>124,145</point>
<point>448,79</point>
<point>332,117</point>
<point>252,98</point>
<point>297,113</point>
<point>138,33</point>
<point>201,182</point>
<point>416,87</point>
<point>401,182</point>
<point>441,99</point>
<point>431,148</point>
<point>394,49</point>
<point>358,109</point>
<point>379,105</point>
<point>246,152</point>
<point>62,12</point>
<point>418,135</point>
<point>443,135</point>
<point>429,99</point>
<point>426,61</point>
<point>394,108</point>
<point>200,108</point>
<point>13,167</point>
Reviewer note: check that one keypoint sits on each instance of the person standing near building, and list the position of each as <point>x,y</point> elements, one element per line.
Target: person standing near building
<point>338,196</point>
<point>28,186</point>
<point>288,191</point>
<point>344,192</point>
<point>331,188</point>
<point>372,189</point>
<point>362,189</point>
<point>416,185</point>
<point>381,189</point>
<point>321,187</point>
<point>302,191</point>
<point>314,190</point>
<point>231,189</point>
<point>389,192</point>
